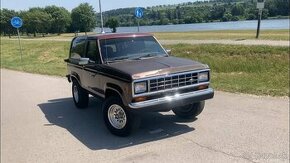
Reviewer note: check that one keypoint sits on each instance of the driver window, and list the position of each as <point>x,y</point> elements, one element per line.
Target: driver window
<point>93,51</point>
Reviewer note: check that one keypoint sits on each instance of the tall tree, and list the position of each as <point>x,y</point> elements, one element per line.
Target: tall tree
<point>6,16</point>
<point>112,23</point>
<point>217,12</point>
<point>37,21</point>
<point>278,7</point>
<point>60,19</point>
<point>237,10</point>
<point>84,18</point>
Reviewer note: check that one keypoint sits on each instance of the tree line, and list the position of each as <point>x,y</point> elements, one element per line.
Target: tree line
<point>200,12</point>
<point>51,19</point>
<point>83,18</point>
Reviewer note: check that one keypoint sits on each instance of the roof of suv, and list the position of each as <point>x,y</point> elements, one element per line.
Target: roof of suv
<point>118,35</point>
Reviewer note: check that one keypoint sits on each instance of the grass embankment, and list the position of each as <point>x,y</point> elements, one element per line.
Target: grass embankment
<point>227,35</point>
<point>260,70</point>
<point>42,57</point>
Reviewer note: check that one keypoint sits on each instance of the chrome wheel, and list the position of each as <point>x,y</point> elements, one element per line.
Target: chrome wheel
<point>117,116</point>
<point>76,93</point>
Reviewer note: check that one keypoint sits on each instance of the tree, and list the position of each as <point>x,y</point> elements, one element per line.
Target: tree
<point>60,19</point>
<point>237,10</point>
<point>226,17</point>
<point>37,21</point>
<point>278,7</point>
<point>6,16</point>
<point>112,23</point>
<point>83,18</point>
<point>217,12</point>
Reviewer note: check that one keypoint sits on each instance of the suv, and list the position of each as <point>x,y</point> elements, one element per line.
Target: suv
<point>132,72</point>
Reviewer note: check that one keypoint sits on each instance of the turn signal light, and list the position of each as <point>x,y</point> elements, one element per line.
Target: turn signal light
<point>201,87</point>
<point>139,99</point>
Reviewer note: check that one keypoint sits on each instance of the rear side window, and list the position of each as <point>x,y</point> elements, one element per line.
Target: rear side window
<point>78,48</point>
<point>93,51</point>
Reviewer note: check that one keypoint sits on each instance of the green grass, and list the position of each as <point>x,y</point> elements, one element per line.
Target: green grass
<point>194,35</point>
<point>259,70</point>
<point>227,34</point>
<point>42,57</point>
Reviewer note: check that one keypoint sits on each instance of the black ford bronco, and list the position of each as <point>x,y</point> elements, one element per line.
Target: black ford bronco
<point>132,72</point>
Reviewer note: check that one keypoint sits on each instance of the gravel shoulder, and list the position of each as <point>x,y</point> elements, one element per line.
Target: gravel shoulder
<point>39,123</point>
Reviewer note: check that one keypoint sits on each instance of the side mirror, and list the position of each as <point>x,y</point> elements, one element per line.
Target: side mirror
<point>84,61</point>
<point>168,51</point>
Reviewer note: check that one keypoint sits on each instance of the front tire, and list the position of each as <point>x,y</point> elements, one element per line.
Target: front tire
<point>80,96</point>
<point>118,119</point>
<point>189,111</point>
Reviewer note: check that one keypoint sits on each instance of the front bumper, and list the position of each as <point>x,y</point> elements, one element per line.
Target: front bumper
<point>169,102</point>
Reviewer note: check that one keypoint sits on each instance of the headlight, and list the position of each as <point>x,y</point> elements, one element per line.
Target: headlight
<point>140,87</point>
<point>203,76</point>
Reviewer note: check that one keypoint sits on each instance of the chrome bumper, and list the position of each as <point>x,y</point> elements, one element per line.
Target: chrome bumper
<point>176,100</point>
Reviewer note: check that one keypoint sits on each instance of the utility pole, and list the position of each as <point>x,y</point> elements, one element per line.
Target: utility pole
<point>102,21</point>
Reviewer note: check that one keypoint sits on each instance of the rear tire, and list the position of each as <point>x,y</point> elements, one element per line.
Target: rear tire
<point>80,95</point>
<point>189,111</point>
<point>118,119</point>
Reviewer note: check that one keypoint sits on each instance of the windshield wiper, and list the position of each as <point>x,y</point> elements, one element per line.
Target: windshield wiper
<point>149,55</point>
<point>119,59</point>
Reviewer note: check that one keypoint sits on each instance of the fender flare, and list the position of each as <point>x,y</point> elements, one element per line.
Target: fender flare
<point>76,77</point>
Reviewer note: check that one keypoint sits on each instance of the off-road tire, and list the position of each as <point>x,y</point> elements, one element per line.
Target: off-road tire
<point>80,95</point>
<point>127,125</point>
<point>189,111</point>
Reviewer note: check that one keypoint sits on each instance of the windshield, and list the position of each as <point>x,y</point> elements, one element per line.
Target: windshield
<point>130,48</point>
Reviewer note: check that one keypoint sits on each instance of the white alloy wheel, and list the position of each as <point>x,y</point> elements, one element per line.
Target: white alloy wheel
<point>76,93</point>
<point>117,116</point>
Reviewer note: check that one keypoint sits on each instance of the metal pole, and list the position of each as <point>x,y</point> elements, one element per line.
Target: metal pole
<point>102,21</point>
<point>19,44</point>
<point>138,25</point>
<point>259,23</point>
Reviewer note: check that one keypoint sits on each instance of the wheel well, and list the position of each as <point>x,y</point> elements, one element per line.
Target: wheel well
<point>73,78</point>
<point>110,92</point>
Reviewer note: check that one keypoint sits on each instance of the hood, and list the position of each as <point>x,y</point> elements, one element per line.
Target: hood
<point>156,66</point>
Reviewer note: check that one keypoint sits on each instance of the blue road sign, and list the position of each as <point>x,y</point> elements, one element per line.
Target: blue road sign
<point>139,12</point>
<point>16,22</point>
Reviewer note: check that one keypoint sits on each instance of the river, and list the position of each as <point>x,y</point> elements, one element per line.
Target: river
<point>237,25</point>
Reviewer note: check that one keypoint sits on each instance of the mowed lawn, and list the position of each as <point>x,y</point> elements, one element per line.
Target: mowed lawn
<point>259,70</point>
<point>42,57</point>
<point>280,34</point>
<point>224,34</point>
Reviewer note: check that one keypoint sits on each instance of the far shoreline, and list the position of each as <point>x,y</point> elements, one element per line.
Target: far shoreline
<point>267,24</point>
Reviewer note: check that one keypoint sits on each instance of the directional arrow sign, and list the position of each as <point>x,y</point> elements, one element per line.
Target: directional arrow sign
<point>139,12</point>
<point>16,22</point>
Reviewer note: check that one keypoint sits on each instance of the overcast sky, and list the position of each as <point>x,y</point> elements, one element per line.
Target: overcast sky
<point>70,4</point>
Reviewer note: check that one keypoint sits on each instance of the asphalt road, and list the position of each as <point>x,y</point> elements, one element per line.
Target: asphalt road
<point>39,123</point>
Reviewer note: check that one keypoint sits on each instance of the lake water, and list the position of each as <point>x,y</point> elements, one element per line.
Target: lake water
<point>237,25</point>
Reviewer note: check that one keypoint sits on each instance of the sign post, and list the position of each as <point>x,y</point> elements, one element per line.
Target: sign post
<point>260,6</point>
<point>139,14</point>
<point>17,23</point>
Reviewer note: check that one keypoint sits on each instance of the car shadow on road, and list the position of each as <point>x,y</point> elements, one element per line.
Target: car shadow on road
<point>88,127</point>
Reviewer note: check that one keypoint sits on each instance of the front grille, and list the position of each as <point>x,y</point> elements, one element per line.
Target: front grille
<point>172,81</point>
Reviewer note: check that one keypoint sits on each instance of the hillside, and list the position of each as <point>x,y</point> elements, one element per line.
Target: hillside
<point>199,11</point>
